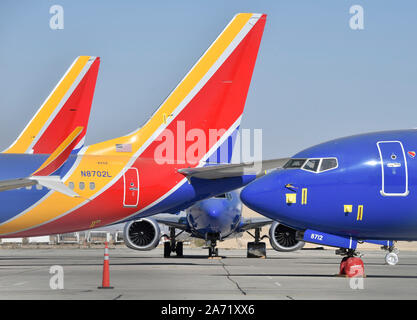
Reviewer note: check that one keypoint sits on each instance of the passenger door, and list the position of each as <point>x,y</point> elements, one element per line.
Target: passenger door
<point>394,168</point>
<point>131,188</point>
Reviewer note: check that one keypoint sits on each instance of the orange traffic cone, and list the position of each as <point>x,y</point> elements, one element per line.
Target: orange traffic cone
<point>106,271</point>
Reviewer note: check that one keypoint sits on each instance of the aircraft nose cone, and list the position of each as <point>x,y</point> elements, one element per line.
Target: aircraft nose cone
<point>212,209</point>
<point>261,195</point>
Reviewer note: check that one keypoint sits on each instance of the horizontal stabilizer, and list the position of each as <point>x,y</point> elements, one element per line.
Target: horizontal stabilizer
<point>233,170</point>
<point>16,184</point>
<point>50,182</point>
<point>54,183</point>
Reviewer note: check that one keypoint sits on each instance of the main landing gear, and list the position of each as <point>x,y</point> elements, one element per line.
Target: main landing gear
<point>391,258</point>
<point>351,264</point>
<point>172,245</point>
<point>257,249</point>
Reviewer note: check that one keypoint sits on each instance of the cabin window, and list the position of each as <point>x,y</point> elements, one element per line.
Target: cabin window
<point>328,164</point>
<point>312,165</point>
<point>92,185</point>
<point>294,163</point>
<point>81,185</point>
<point>71,185</point>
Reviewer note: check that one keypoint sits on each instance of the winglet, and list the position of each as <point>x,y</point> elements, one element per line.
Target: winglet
<point>60,155</point>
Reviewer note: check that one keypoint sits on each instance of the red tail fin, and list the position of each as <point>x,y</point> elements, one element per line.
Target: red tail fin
<point>67,107</point>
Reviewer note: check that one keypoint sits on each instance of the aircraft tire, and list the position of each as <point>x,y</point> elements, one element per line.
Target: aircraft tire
<point>167,249</point>
<point>391,258</point>
<point>179,249</point>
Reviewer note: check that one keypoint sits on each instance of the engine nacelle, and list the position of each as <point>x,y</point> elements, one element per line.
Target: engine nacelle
<point>142,234</point>
<point>282,238</point>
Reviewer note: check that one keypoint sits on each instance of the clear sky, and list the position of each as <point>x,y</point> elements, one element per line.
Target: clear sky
<point>315,78</point>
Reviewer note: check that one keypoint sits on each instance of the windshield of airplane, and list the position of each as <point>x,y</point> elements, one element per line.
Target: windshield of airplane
<point>224,196</point>
<point>314,165</point>
<point>328,164</point>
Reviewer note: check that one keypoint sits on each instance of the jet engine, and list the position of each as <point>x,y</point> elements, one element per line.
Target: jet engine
<point>142,234</point>
<point>282,238</point>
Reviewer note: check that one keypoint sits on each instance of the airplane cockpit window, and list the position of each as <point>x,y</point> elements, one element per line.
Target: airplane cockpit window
<point>327,164</point>
<point>227,196</point>
<point>312,165</point>
<point>294,163</point>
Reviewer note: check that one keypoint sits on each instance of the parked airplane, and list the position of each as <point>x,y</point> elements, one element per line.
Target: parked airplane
<point>346,191</point>
<point>213,220</point>
<point>160,167</point>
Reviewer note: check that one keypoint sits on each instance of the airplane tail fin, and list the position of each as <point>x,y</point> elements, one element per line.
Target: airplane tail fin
<point>205,108</point>
<point>210,100</point>
<point>66,108</point>
<point>60,155</point>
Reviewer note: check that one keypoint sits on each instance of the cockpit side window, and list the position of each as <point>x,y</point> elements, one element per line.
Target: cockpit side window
<point>328,164</point>
<point>312,165</point>
<point>294,163</point>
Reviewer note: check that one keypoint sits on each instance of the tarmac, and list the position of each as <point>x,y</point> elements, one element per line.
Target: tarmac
<point>305,274</point>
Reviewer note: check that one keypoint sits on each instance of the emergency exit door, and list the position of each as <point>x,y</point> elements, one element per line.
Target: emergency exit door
<point>394,168</point>
<point>131,188</point>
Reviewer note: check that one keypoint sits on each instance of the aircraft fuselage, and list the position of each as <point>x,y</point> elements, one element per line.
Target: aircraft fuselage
<point>368,189</point>
<point>108,193</point>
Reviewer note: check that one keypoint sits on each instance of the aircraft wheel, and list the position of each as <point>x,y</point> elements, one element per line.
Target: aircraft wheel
<point>179,249</point>
<point>167,249</point>
<point>213,252</point>
<point>391,259</point>
<point>256,250</point>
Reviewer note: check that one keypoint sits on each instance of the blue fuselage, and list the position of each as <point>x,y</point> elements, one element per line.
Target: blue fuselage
<point>215,218</point>
<point>367,191</point>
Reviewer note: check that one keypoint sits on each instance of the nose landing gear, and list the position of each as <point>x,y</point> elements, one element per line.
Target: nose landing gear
<point>213,250</point>
<point>391,258</point>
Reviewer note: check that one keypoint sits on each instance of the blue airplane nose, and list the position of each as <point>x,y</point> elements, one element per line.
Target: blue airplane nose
<point>262,195</point>
<point>212,209</point>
